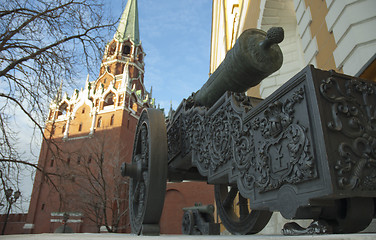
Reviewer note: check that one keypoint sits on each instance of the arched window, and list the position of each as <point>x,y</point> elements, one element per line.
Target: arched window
<point>133,103</point>
<point>112,120</point>
<point>109,99</point>
<point>99,123</point>
<point>80,127</point>
<point>127,50</point>
<point>62,109</point>
<point>112,48</point>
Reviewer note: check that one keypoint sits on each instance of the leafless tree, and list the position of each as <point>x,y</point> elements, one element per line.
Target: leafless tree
<point>42,43</point>
<point>99,188</point>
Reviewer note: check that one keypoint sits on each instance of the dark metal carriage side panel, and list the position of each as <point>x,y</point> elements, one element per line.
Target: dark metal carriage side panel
<point>288,136</point>
<point>348,112</point>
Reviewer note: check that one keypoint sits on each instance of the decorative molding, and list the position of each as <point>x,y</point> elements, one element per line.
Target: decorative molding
<point>221,140</point>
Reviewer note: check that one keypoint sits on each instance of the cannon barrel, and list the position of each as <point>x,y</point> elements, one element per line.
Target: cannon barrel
<point>201,208</point>
<point>255,56</point>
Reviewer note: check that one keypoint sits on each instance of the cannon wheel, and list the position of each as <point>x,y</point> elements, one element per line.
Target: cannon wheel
<point>188,223</point>
<point>243,222</point>
<point>147,189</point>
<point>353,215</point>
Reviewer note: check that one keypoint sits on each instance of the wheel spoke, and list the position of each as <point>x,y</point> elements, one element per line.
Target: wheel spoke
<point>243,207</point>
<point>149,160</point>
<point>229,200</point>
<point>136,191</point>
<point>246,221</point>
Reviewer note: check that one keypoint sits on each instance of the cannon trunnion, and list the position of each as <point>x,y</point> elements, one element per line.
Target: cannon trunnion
<point>307,151</point>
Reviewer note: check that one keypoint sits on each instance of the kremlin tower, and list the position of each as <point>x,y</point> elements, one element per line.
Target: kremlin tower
<point>88,135</point>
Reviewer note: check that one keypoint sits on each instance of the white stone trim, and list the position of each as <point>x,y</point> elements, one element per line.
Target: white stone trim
<point>28,226</point>
<point>335,10</point>
<point>305,22</point>
<point>69,221</point>
<point>121,61</point>
<point>77,138</point>
<point>282,14</point>
<point>311,52</point>
<point>300,11</point>
<point>353,26</point>
<point>71,214</point>
<point>356,15</point>
<point>329,3</point>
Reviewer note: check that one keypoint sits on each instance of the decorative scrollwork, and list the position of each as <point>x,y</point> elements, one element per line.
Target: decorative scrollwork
<point>174,138</point>
<point>284,154</point>
<point>353,115</point>
<point>223,140</point>
<point>198,140</point>
<point>138,197</point>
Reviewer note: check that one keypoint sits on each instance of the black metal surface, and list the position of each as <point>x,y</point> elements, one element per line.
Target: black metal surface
<point>307,151</point>
<point>235,212</point>
<point>308,144</point>
<point>148,172</point>
<point>199,220</point>
<point>254,56</point>
<point>316,227</point>
<point>188,222</point>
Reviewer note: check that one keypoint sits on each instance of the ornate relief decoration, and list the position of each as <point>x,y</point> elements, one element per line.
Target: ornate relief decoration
<point>264,153</point>
<point>353,116</point>
<point>284,152</point>
<point>174,138</point>
<point>141,158</point>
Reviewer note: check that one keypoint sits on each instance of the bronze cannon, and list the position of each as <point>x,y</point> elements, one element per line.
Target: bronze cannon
<point>307,151</point>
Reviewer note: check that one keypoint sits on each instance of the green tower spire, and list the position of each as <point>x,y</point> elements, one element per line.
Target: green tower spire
<point>128,26</point>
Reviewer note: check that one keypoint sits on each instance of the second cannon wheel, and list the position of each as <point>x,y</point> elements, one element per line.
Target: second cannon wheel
<point>239,220</point>
<point>148,169</point>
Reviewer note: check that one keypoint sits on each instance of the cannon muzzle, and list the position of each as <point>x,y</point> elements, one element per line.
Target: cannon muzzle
<point>255,56</point>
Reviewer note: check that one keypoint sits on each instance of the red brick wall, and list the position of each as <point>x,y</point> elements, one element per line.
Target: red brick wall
<point>15,223</point>
<point>180,195</point>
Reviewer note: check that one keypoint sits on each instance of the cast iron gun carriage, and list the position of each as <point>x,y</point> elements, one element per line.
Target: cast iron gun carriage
<point>307,151</point>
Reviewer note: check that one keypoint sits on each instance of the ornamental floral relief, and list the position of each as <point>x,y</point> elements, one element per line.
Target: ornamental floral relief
<point>284,153</point>
<point>353,115</point>
<point>264,153</point>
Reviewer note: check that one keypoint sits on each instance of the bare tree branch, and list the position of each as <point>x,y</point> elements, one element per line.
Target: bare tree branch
<point>42,43</point>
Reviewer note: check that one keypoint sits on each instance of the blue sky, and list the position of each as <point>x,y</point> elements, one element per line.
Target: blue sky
<point>175,35</point>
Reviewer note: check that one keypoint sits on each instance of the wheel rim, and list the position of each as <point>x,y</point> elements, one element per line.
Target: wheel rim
<point>354,215</point>
<point>148,183</point>
<point>242,220</point>
<point>187,224</point>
